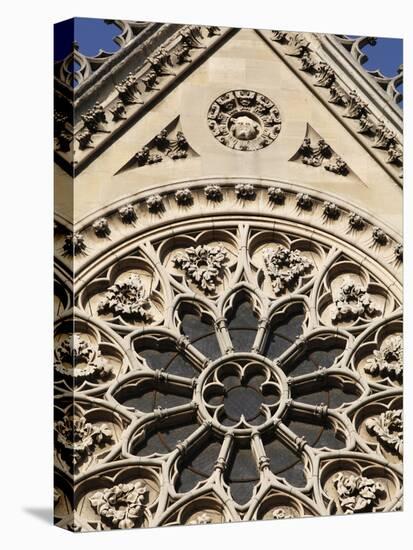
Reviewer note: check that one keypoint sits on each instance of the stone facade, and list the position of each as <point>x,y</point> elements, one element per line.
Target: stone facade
<point>228,257</point>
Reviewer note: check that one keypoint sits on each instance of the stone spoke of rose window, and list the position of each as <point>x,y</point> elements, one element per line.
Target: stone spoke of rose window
<point>312,353</point>
<point>165,353</point>
<point>146,393</point>
<point>199,329</point>
<point>334,388</point>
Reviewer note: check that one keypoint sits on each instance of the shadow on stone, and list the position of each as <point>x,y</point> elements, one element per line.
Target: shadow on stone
<point>44,514</point>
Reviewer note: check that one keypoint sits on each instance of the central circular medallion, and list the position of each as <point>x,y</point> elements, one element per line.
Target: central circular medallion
<point>244,120</point>
<point>242,393</point>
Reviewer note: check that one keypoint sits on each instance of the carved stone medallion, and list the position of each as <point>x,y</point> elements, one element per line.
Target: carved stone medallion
<point>244,120</point>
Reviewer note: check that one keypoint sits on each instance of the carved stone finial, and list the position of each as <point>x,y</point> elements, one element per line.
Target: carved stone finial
<point>379,236</point>
<point>337,95</point>
<point>331,210</point>
<point>324,75</point>
<point>155,203</point>
<point>355,107</point>
<point>383,137</point>
<point>118,111</point>
<point>356,222</point>
<point>398,252</point>
<point>128,91</point>
<point>366,125</point>
<point>395,155</point>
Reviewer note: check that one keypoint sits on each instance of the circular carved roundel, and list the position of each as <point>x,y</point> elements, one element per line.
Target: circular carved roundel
<point>244,120</point>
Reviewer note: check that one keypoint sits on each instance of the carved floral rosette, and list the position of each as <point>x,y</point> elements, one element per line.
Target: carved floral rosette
<point>229,368</point>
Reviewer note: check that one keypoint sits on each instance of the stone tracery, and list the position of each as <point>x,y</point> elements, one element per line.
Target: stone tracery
<point>264,342</point>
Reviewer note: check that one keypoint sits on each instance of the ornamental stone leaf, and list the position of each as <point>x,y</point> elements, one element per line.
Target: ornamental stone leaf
<point>128,298</point>
<point>201,519</point>
<point>284,267</point>
<point>77,358</point>
<point>203,265</point>
<point>74,244</point>
<point>388,429</point>
<point>352,302</point>
<point>388,360</point>
<point>213,192</point>
<point>121,506</point>
<point>357,493</point>
<point>245,191</point>
<point>78,439</point>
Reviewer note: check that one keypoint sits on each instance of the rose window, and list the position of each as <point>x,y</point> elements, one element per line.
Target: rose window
<point>239,373</point>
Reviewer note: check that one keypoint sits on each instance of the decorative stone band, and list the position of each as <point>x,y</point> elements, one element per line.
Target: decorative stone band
<point>281,200</point>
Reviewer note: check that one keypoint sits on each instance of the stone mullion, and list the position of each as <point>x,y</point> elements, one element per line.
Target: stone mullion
<point>258,450</point>
<point>223,337</point>
<point>224,454</point>
<point>261,335</point>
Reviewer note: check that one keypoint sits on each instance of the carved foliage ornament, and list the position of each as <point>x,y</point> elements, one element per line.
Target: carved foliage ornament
<point>284,267</point>
<point>76,358</point>
<point>388,360</point>
<point>357,493</point>
<point>353,302</point>
<point>388,429</point>
<point>128,298</point>
<point>122,505</point>
<point>244,120</point>
<point>203,265</point>
<point>78,438</point>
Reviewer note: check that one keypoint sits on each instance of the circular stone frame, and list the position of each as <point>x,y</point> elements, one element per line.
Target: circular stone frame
<point>244,365</point>
<point>244,120</point>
